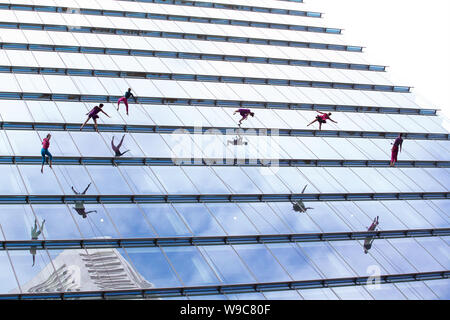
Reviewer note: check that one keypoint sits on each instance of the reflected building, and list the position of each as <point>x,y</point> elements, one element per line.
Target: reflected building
<point>79,270</point>
<point>183,167</point>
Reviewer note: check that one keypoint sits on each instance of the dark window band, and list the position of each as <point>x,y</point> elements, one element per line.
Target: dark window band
<point>178,35</point>
<point>149,15</point>
<point>189,55</point>
<point>198,77</point>
<point>217,240</point>
<point>212,102</point>
<point>222,198</point>
<point>227,288</point>
<point>229,162</point>
<point>6,125</point>
<point>235,7</point>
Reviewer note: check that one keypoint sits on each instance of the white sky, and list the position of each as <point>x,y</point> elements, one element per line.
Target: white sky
<point>411,37</point>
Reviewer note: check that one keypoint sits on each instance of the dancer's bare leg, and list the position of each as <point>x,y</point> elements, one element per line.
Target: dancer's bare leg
<point>84,124</point>
<point>311,122</point>
<point>95,125</point>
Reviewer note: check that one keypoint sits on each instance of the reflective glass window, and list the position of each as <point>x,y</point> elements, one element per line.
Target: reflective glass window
<point>227,264</point>
<point>160,274</point>
<point>199,219</point>
<point>190,266</point>
<point>231,218</point>
<point>165,220</point>
<point>256,256</point>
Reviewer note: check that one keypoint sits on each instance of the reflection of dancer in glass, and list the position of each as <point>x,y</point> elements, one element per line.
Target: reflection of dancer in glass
<point>79,205</point>
<point>238,141</point>
<point>322,118</point>
<point>117,148</point>
<point>125,98</point>
<point>45,152</point>
<point>244,114</point>
<point>94,115</point>
<point>34,236</point>
<point>368,241</point>
<point>397,146</point>
<point>299,206</point>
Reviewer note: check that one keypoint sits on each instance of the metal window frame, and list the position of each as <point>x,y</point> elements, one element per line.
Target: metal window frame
<point>219,198</point>
<point>230,288</point>
<point>62,244</point>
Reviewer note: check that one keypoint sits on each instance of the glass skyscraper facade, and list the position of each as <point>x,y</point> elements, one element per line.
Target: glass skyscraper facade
<point>199,207</point>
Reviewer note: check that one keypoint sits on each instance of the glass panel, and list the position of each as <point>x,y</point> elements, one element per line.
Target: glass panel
<point>326,259</point>
<point>16,221</point>
<point>344,175</point>
<point>8,282</point>
<point>294,261</point>
<point>440,288</point>
<point>12,183</point>
<point>93,221</point>
<point>59,223</point>
<point>430,214</point>
<point>160,274</point>
<point>199,219</point>
<point>141,180</point>
<point>416,290</point>
<point>352,293</point>
<point>174,180</point>
<point>227,264</point>
<point>108,180</point>
<point>165,220</point>
<point>387,220</point>
<point>264,218</point>
<point>412,251</point>
<point>236,180</point>
<point>190,266</point>
<point>33,178</point>
<point>31,268</point>
<point>322,180</point>
<point>205,180</point>
<point>437,248</point>
<point>232,219</point>
<point>318,294</point>
<point>256,256</point>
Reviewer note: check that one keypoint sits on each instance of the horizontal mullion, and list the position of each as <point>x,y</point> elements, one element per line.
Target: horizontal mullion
<point>211,102</point>
<point>220,5</point>
<point>9,125</point>
<point>167,34</point>
<point>199,77</point>
<point>219,198</point>
<point>164,161</point>
<point>228,288</point>
<point>189,55</point>
<point>144,15</point>
<point>216,240</point>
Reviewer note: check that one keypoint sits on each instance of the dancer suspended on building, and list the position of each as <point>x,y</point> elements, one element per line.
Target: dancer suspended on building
<point>244,114</point>
<point>34,236</point>
<point>116,149</point>
<point>368,241</point>
<point>396,148</point>
<point>79,205</point>
<point>45,152</point>
<point>322,118</point>
<point>125,98</point>
<point>94,115</point>
<point>299,206</point>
